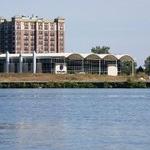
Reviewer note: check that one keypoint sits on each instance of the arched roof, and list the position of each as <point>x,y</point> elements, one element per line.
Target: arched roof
<point>92,57</point>
<point>124,58</point>
<point>75,56</point>
<point>108,57</point>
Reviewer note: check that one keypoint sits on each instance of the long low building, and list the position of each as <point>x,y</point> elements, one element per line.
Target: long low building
<point>62,63</point>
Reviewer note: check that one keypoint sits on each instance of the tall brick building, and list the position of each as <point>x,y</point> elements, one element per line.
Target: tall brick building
<point>27,34</point>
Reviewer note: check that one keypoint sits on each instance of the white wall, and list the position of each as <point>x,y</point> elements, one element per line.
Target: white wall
<point>60,68</point>
<point>112,70</point>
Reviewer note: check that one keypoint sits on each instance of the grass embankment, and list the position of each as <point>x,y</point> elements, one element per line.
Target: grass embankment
<point>71,81</point>
<point>59,78</point>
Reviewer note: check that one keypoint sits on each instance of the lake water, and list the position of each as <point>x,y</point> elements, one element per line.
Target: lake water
<point>74,119</point>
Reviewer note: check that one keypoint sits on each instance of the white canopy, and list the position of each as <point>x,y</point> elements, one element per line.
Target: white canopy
<point>75,56</point>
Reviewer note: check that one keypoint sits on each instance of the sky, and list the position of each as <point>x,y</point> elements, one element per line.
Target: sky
<point>123,25</point>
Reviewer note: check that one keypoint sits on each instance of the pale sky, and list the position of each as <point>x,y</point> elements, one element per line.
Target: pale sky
<point>123,25</point>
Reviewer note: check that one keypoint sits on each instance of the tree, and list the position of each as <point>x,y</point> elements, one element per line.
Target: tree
<point>139,69</point>
<point>100,50</point>
<point>126,68</point>
<point>147,65</point>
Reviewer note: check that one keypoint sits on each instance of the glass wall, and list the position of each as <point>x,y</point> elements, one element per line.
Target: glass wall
<point>74,63</point>
<point>47,65</point>
<point>74,66</point>
<point>27,65</point>
<point>2,65</point>
<point>14,65</point>
<point>91,66</point>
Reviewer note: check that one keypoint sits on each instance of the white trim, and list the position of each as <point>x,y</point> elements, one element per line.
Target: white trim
<point>67,55</point>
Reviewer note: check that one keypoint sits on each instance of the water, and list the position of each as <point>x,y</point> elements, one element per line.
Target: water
<point>74,119</point>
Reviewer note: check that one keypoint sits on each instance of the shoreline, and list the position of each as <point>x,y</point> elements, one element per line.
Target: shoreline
<point>33,84</point>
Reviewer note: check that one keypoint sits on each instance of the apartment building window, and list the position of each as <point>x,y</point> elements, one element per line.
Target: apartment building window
<point>52,49</point>
<point>32,25</point>
<point>18,25</point>
<point>26,39</point>
<point>40,37</point>
<point>32,43</point>
<point>18,43</point>
<point>26,33</point>
<point>13,27</point>
<point>32,49</point>
<point>32,39</point>
<point>40,32</point>
<point>40,42</point>
<point>26,26</point>
<point>46,26</point>
<point>46,44</point>
<point>40,26</point>
<point>52,27</point>
<point>52,34</point>
<point>61,42</point>
<point>32,33</point>
<point>61,38</point>
<point>45,39</point>
<point>62,33</point>
<point>18,33</point>
<point>18,48</point>
<point>46,49</point>
<point>46,33</point>
<point>52,44</point>
<point>40,49</point>
<point>18,37</point>
<point>61,27</point>
<point>26,48</point>
<point>26,44</point>
<point>52,39</point>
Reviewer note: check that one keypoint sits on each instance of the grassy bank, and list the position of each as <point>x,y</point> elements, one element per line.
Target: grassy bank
<point>71,81</point>
<point>45,77</point>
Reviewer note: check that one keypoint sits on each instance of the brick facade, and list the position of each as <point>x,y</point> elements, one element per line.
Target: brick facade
<point>28,34</point>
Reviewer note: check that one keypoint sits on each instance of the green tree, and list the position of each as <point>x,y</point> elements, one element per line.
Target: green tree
<point>140,69</point>
<point>147,65</point>
<point>100,50</point>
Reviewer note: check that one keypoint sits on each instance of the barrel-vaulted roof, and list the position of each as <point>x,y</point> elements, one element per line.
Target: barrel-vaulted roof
<point>125,57</point>
<point>92,56</point>
<point>108,56</point>
<point>76,56</point>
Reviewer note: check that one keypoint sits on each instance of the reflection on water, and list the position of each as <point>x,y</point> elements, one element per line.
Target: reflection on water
<point>32,135</point>
<point>74,119</point>
<point>6,126</point>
